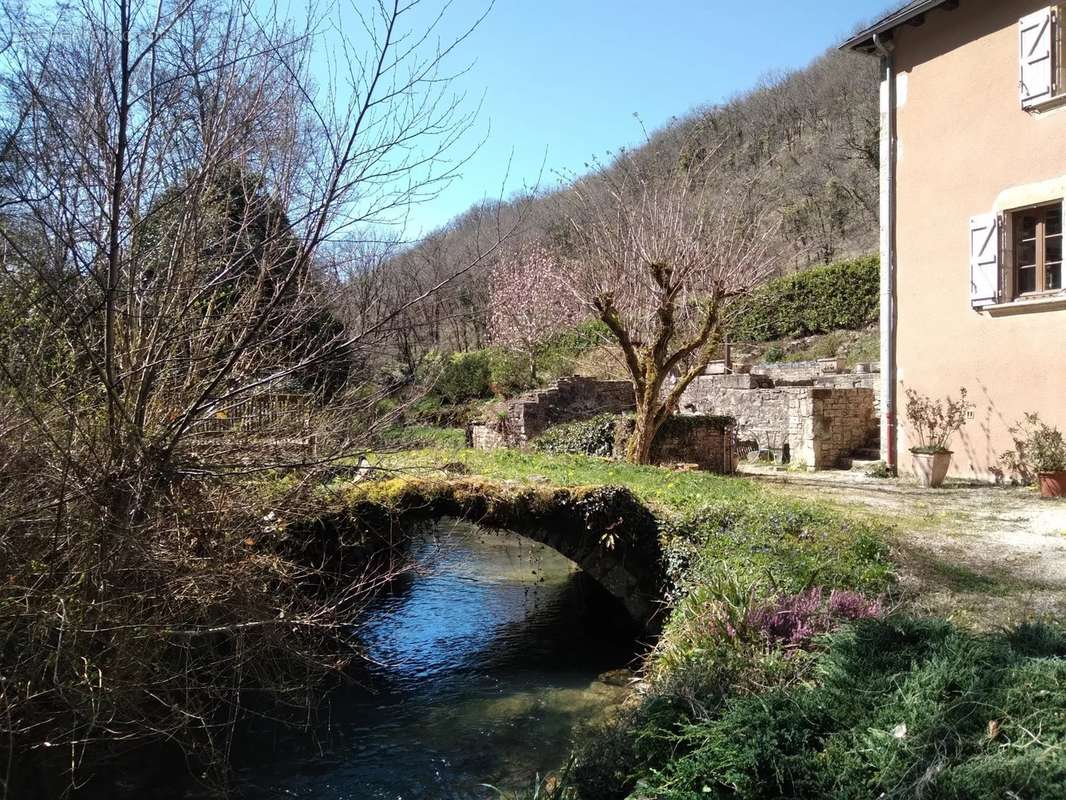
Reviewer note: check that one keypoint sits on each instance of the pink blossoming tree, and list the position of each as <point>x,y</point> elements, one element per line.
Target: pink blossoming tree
<point>530,301</point>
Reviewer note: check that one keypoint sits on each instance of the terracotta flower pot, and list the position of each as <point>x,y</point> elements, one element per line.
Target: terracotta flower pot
<point>1052,484</point>
<point>932,468</point>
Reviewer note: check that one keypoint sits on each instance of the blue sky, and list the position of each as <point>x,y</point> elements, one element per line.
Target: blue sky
<point>561,80</point>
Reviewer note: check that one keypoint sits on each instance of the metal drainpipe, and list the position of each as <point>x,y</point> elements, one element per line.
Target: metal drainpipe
<point>888,255</point>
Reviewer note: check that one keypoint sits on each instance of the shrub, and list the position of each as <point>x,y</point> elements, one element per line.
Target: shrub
<point>840,296</point>
<point>556,356</point>
<point>934,422</point>
<point>464,376</point>
<point>1038,447</point>
<point>508,372</point>
<point>899,708</point>
<point>591,437</point>
<point>774,354</point>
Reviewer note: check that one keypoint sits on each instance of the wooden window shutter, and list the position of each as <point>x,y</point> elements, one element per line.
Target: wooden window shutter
<point>1037,40</point>
<point>984,260</point>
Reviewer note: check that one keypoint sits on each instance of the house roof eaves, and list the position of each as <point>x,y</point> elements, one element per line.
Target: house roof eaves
<point>912,13</point>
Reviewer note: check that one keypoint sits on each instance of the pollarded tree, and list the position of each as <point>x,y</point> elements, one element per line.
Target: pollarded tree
<point>660,261</point>
<point>529,301</point>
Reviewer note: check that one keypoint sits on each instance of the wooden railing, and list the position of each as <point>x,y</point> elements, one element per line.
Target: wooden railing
<point>275,416</point>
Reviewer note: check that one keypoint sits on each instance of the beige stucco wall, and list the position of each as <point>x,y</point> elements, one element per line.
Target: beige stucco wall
<point>963,141</point>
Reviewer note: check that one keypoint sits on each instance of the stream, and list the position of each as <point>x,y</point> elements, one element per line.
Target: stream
<point>480,665</point>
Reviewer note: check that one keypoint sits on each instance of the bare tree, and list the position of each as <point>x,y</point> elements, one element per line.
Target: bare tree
<point>659,260</point>
<point>181,200</point>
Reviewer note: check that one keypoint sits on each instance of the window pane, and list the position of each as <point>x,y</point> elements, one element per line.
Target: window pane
<point>1027,254</point>
<point>1054,221</point>
<point>1054,248</point>
<point>1027,226</point>
<point>1054,276</point>
<point>1027,280</point>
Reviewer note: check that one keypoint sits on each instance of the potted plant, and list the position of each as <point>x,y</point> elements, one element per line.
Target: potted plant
<point>934,422</point>
<point>1039,454</point>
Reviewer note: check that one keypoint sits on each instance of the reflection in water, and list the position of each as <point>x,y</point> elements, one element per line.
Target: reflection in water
<point>482,663</point>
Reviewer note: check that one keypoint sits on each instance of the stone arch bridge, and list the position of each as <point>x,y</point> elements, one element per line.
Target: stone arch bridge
<point>606,531</point>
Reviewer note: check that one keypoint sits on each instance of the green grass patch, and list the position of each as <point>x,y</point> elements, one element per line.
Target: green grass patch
<point>896,708</point>
<point>783,545</point>
<point>668,492</point>
<point>425,436</point>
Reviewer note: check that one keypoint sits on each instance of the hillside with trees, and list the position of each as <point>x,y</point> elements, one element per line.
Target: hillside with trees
<point>805,143</point>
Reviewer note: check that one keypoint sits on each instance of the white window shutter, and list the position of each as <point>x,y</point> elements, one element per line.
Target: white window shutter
<point>1037,37</point>
<point>984,260</point>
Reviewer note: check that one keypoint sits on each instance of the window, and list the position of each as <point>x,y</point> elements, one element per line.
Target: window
<point>1016,256</point>
<point>1037,250</point>
<point>1042,56</point>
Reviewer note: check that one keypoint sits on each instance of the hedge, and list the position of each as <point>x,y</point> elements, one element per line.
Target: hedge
<point>590,437</point>
<point>839,296</point>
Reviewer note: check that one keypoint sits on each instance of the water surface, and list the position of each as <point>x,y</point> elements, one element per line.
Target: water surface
<point>480,665</point>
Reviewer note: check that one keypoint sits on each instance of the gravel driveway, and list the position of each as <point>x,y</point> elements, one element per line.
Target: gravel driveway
<point>982,555</point>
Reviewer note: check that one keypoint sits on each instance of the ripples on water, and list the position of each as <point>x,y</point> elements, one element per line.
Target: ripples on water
<point>482,663</point>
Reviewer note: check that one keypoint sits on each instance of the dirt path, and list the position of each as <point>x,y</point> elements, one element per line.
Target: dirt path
<point>985,556</point>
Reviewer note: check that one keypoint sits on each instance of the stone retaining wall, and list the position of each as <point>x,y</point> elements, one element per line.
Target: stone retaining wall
<point>706,441</point>
<point>814,421</point>
<point>569,400</point>
<point>810,414</point>
<point>826,425</point>
<point>709,446</point>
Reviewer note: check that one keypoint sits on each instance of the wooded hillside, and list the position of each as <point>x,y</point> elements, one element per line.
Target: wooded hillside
<point>808,139</point>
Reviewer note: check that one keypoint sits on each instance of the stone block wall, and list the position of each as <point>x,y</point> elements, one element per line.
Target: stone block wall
<point>569,400</point>
<point>707,442</point>
<point>826,425</point>
<point>804,414</point>
<point>482,436</point>
<point>760,409</point>
<point>799,370</point>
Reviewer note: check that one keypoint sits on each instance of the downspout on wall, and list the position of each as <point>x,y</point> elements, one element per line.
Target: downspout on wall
<point>888,255</point>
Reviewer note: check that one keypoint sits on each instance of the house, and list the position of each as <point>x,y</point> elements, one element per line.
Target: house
<point>973,176</point>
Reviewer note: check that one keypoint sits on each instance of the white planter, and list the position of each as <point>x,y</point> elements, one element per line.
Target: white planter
<point>932,468</point>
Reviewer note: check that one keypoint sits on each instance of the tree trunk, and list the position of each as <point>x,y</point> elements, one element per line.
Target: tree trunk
<point>638,449</point>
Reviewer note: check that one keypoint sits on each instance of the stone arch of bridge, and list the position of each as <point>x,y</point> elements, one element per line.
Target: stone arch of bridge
<point>606,531</point>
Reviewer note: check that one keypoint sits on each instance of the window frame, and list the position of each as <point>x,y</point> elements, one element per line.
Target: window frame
<point>1040,240</point>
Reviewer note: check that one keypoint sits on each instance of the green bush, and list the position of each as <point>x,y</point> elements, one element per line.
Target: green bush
<point>591,437</point>
<point>840,296</point>
<point>898,708</point>
<point>508,372</point>
<point>464,377</point>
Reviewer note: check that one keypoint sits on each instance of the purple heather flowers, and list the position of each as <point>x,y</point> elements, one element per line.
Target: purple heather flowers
<point>794,620</point>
